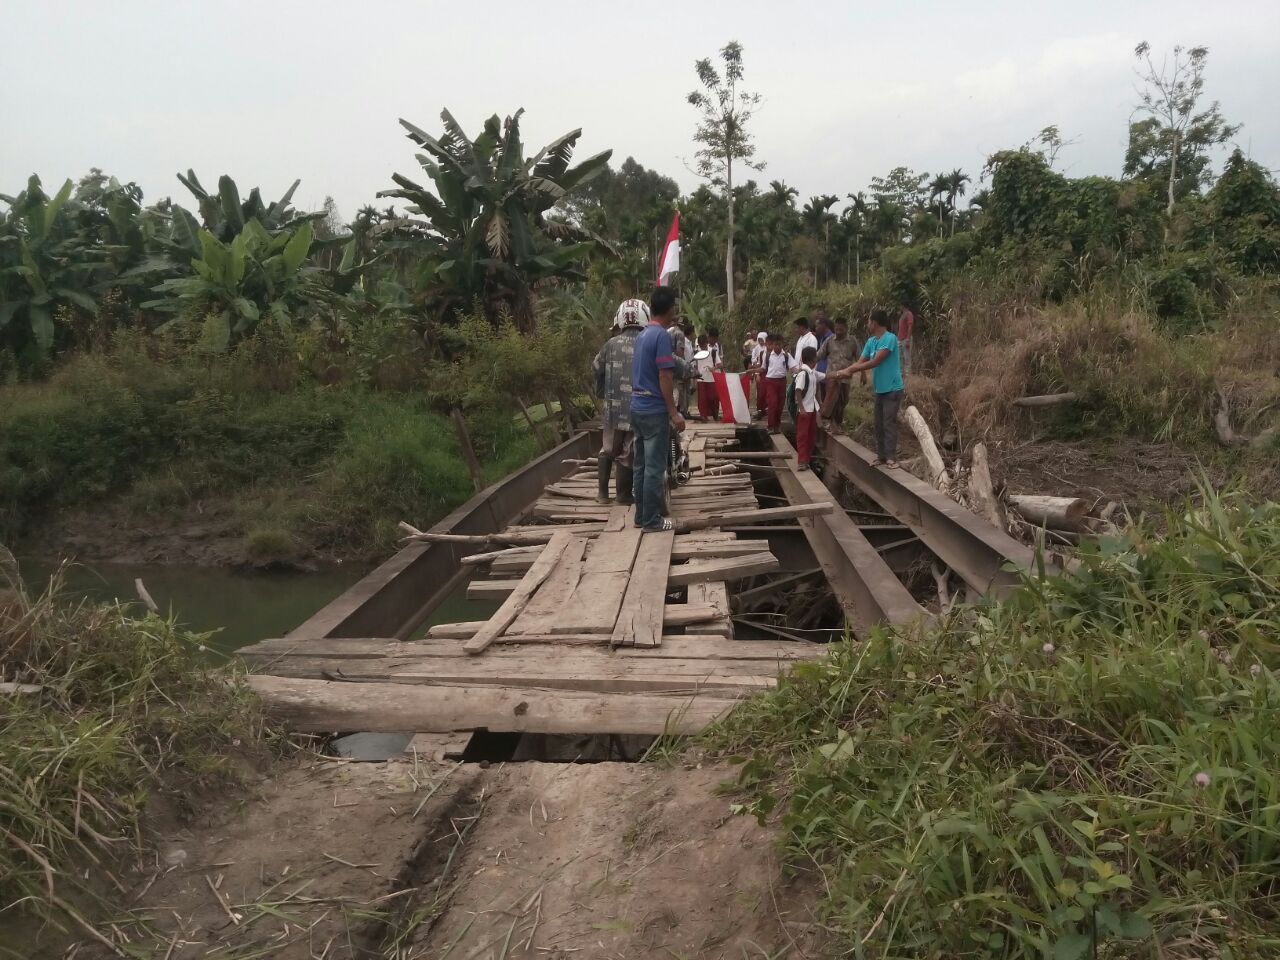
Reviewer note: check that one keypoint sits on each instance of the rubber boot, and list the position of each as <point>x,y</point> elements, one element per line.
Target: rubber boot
<point>602,469</point>
<point>626,485</point>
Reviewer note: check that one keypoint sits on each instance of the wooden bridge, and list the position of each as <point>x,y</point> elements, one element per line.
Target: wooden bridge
<point>601,628</point>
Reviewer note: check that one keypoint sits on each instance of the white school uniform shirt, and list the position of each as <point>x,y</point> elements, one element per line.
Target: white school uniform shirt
<point>707,367</point>
<point>758,353</point>
<point>808,340</point>
<point>807,380</point>
<point>777,365</point>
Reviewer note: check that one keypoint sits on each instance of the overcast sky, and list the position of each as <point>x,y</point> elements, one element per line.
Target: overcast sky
<point>274,90</point>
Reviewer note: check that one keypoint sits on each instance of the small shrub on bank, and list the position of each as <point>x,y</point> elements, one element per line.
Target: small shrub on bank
<point>1088,769</point>
<point>127,709</point>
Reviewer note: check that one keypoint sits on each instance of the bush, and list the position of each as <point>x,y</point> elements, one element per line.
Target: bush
<point>1088,769</point>
<point>127,709</point>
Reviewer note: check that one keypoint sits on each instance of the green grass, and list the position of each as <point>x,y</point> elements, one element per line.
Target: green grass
<point>1089,769</point>
<point>127,710</point>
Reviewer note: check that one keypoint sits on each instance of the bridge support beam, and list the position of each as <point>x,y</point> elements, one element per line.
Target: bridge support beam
<point>868,591</point>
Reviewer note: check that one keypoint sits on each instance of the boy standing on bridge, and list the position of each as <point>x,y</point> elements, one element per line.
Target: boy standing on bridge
<point>880,355</point>
<point>612,367</point>
<point>653,411</point>
<point>777,364</point>
<point>806,390</point>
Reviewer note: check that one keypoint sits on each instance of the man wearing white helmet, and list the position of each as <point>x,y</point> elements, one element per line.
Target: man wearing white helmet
<point>612,368</point>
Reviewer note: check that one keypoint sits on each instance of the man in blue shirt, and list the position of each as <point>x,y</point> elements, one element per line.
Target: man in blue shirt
<point>882,357</point>
<point>653,410</point>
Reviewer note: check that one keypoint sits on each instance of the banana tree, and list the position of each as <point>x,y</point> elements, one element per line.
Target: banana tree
<point>45,264</point>
<point>487,236</point>
<point>235,285</point>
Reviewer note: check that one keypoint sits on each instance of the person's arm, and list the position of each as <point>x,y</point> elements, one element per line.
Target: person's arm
<point>666,383</point>
<point>910,319</point>
<point>861,365</point>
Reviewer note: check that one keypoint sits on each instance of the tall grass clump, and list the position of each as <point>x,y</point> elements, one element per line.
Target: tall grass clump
<point>115,712</point>
<point>1090,768</point>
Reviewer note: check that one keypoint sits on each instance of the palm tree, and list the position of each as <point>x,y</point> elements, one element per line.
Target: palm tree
<point>855,216</point>
<point>487,238</point>
<point>938,187</point>
<point>956,180</point>
<point>818,218</point>
<point>782,194</point>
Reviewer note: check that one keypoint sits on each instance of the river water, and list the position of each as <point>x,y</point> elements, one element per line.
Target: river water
<point>237,608</point>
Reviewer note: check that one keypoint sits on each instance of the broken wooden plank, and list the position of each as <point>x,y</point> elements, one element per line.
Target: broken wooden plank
<point>722,568</point>
<point>489,556</point>
<point>714,594</point>
<point>722,548</point>
<point>491,589</point>
<point>581,668</point>
<point>746,455</point>
<point>689,646</point>
<point>639,620</point>
<point>674,615</point>
<point>322,706</point>
<point>523,592</point>
<point>541,611</point>
<point>762,515</point>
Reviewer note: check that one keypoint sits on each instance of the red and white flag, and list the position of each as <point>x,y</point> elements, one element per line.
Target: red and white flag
<point>733,390</point>
<point>670,262</point>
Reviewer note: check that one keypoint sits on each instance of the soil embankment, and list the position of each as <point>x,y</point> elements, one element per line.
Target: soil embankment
<point>411,858</point>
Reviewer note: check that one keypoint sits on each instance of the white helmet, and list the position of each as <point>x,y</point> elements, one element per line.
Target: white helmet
<point>631,313</point>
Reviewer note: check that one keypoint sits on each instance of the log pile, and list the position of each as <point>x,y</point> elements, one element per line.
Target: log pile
<point>1034,517</point>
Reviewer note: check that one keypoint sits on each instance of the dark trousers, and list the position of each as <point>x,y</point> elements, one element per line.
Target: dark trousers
<point>887,405</point>
<point>775,389</point>
<point>652,449</point>
<point>708,400</point>
<point>806,434</point>
<point>837,398</point>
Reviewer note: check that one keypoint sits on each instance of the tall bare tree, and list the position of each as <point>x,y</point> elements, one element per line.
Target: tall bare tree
<point>1173,139</point>
<point>722,132</point>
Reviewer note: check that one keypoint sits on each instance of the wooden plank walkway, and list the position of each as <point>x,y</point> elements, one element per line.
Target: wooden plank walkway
<point>601,628</point>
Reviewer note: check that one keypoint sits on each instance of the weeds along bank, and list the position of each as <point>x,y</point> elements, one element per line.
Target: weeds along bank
<point>1088,769</point>
<point>982,341</point>
<point>116,714</point>
<point>288,453</point>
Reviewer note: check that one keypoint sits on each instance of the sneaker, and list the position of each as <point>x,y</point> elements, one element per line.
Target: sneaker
<point>802,466</point>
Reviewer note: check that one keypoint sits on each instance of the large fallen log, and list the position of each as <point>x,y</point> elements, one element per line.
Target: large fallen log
<point>938,475</point>
<point>981,491</point>
<point>1046,400</point>
<point>1058,513</point>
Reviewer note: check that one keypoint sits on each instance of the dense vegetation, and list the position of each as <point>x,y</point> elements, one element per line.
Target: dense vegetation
<point>1087,769</point>
<point>236,347</point>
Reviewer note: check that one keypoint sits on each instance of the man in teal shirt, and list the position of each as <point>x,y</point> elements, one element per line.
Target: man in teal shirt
<point>882,356</point>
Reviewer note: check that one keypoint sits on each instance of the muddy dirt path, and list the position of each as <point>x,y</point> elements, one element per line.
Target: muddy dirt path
<point>417,859</point>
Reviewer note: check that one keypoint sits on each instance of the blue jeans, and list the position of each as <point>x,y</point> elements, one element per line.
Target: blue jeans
<point>652,433</point>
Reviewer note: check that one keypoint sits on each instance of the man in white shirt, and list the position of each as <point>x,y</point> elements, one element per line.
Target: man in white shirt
<point>804,337</point>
